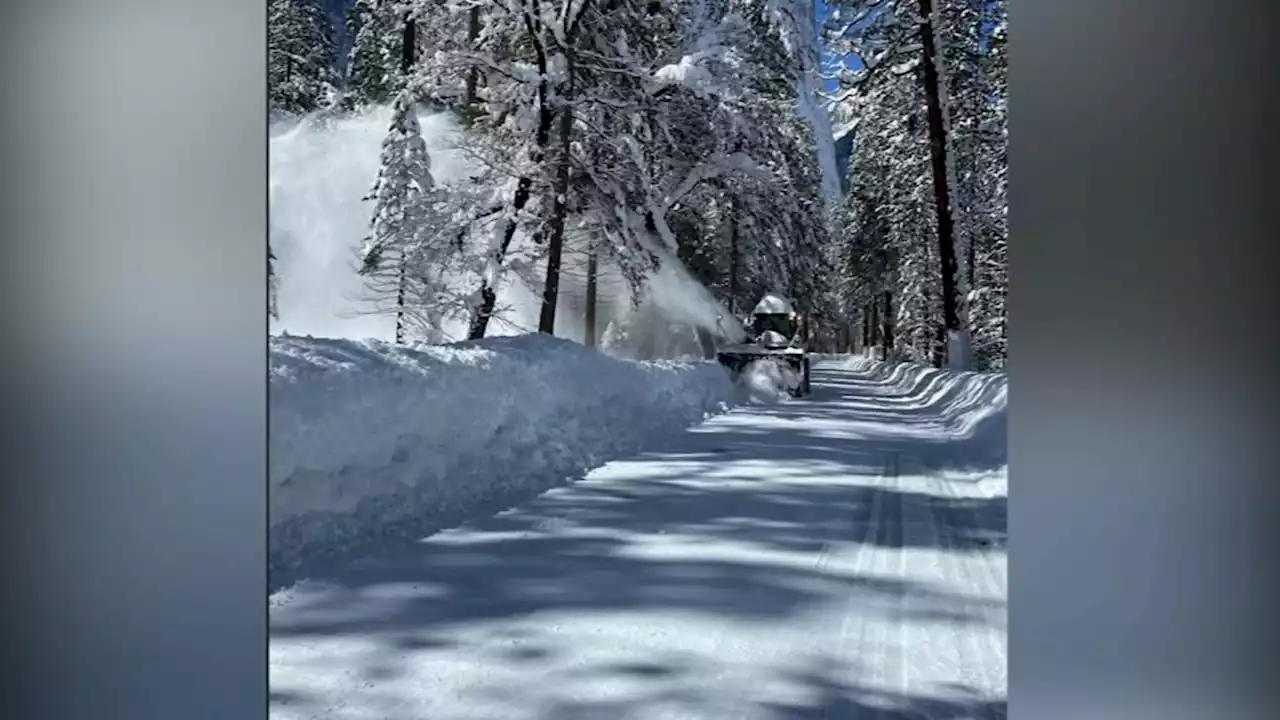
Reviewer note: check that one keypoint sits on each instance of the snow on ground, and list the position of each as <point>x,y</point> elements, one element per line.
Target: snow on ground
<point>370,442</point>
<point>840,556</point>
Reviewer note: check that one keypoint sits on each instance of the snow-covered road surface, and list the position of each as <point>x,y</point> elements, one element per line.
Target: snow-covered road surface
<point>840,556</point>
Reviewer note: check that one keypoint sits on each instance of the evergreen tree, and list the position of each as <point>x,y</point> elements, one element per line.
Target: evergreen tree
<point>400,259</point>
<point>373,64</point>
<point>640,131</point>
<point>300,56</point>
<point>887,219</point>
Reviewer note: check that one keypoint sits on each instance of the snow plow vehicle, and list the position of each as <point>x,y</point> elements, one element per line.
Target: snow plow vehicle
<point>776,334</point>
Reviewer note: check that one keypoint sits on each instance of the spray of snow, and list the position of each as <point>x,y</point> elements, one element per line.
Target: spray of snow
<point>682,299</point>
<point>766,382</point>
<point>319,173</point>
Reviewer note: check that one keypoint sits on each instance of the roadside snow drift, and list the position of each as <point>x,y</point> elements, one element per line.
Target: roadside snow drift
<point>371,442</point>
<point>968,408</point>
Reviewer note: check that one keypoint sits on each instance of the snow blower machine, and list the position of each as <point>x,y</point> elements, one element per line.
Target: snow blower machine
<point>776,333</point>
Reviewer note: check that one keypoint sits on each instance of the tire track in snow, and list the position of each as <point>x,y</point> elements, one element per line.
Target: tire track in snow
<point>933,643</point>
<point>863,561</point>
<point>877,651</point>
<point>987,668</point>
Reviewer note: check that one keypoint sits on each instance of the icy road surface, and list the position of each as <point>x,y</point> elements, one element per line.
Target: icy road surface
<point>840,556</point>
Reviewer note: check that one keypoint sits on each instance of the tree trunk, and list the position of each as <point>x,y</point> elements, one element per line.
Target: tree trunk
<point>733,257</point>
<point>887,327</point>
<point>938,156</point>
<point>589,325</point>
<point>871,326</point>
<point>473,73</point>
<point>409,49</point>
<point>524,187</point>
<point>559,204</point>
<point>400,283</point>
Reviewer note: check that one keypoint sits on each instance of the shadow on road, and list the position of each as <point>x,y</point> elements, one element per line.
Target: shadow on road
<point>762,487</point>
<point>677,687</point>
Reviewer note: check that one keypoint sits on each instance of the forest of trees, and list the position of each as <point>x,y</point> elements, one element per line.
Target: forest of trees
<point>631,132</point>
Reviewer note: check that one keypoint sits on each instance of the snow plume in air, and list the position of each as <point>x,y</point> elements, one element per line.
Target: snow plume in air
<point>676,317</point>
<point>319,171</point>
<point>765,382</point>
<point>682,299</point>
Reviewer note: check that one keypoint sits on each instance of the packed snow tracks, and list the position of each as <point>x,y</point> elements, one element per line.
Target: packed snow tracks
<point>841,556</point>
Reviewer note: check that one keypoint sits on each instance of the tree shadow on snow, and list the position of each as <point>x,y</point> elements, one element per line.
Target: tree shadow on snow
<point>669,685</point>
<point>820,691</point>
<point>569,545</point>
<point>768,484</point>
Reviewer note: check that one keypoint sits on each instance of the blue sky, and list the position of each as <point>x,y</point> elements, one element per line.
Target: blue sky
<point>823,11</point>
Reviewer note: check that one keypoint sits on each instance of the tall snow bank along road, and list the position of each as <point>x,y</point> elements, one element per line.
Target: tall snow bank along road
<point>373,443</point>
<point>963,417</point>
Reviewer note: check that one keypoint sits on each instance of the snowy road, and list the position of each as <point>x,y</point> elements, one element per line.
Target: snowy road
<point>841,556</point>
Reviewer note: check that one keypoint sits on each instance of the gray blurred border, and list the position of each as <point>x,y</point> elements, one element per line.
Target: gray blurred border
<point>1143,359</point>
<point>135,279</point>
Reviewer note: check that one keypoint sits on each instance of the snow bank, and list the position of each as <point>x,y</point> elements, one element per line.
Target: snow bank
<point>370,442</point>
<point>972,407</point>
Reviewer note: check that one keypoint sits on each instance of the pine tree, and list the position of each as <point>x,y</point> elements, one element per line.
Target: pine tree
<point>395,253</point>
<point>677,133</point>
<point>373,76</point>
<point>300,56</point>
<point>888,104</point>
<point>989,309</point>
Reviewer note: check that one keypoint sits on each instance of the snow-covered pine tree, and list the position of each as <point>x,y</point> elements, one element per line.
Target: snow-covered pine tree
<point>373,74</point>
<point>680,132</point>
<point>884,34</point>
<point>507,141</point>
<point>300,57</point>
<point>444,41</point>
<point>406,258</point>
<point>888,213</point>
<point>990,287</point>
<point>966,92</point>
<point>691,132</point>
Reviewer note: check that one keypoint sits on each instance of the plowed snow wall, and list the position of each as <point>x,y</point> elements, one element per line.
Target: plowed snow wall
<point>372,442</point>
